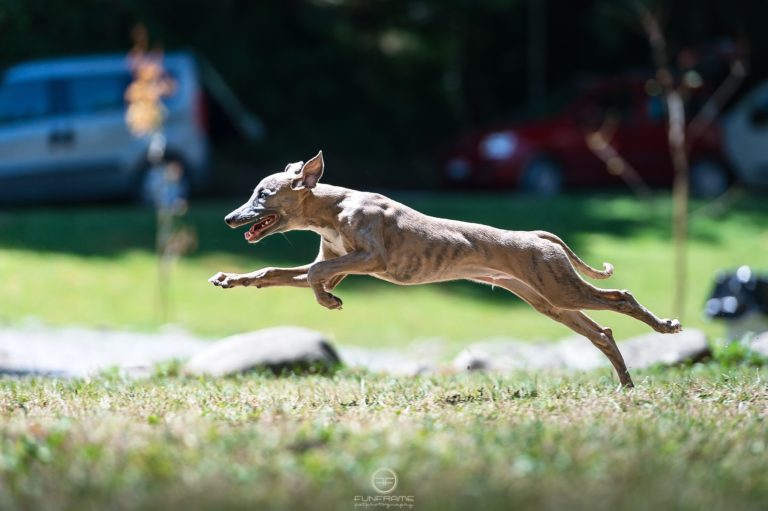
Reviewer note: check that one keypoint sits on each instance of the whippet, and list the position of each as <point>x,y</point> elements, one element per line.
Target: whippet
<point>368,234</point>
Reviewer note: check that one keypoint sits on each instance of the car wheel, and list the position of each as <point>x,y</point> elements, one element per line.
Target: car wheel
<point>542,177</point>
<point>708,178</point>
<point>151,188</point>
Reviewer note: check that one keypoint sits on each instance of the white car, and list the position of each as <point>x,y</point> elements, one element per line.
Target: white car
<point>63,134</point>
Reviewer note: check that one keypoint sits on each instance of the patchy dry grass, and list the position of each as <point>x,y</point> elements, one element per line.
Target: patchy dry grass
<point>692,438</point>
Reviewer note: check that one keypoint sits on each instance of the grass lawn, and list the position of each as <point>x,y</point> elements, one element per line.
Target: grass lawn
<point>690,438</point>
<point>95,266</point>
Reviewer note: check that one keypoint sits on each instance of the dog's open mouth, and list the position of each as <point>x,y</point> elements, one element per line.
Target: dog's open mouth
<point>258,229</point>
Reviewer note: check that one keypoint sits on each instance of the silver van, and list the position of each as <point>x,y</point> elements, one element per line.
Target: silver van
<point>63,135</point>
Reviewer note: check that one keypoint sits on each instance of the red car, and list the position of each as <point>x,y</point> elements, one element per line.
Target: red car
<point>545,156</point>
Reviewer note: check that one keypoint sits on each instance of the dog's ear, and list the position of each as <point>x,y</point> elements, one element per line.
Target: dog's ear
<point>294,168</point>
<point>310,173</point>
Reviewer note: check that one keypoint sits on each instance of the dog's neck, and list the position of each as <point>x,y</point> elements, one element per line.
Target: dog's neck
<point>320,208</point>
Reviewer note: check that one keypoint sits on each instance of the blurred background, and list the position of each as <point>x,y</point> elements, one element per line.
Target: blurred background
<point>526,114</point>
<point>386,87</point>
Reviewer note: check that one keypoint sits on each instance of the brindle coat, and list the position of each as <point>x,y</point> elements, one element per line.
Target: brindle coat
<point>369,234</point>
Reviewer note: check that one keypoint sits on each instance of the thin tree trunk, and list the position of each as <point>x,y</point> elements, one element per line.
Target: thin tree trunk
<point>677,147</point>
<point>680,193</point>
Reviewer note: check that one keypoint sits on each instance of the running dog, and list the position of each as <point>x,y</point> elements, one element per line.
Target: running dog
<point>368,234</point>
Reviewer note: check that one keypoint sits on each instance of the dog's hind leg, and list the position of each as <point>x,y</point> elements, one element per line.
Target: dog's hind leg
<point>577,321</point>
<point>602,338</point>
<point>564,288</point>
<point>594,298</point>
<point>623,301</point>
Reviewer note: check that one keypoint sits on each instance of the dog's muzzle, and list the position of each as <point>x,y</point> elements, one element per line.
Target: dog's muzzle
<point>240,217</point>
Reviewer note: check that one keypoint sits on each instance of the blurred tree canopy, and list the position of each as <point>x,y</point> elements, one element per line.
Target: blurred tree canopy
<point>380,85</point>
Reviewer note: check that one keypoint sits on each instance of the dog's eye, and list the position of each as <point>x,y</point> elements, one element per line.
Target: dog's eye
<point>263,194</point>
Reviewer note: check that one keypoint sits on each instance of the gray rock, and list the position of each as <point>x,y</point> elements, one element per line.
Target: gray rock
<point>401,362</point>
<point>505,355</point>
<point>665,349</point>
<point>66,352</point>
<point>577,353</point>
<point>745,326</point>
<point>759,344</point>
<point>473,359</point>
<point>277,349</point>
<point>74,352</point>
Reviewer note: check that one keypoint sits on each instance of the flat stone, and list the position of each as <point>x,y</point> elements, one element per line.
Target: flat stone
<point>506,355</point>
<point>473,359</point>
<point>759,344</point>
<point>76,352</point>
<point>577,353</point>
<point>397,362</point>
<point>746,326</point>
<point>690,345</point>
<point>276,349</point>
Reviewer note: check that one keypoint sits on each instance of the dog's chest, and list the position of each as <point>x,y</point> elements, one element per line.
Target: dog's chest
<point>334,243</point>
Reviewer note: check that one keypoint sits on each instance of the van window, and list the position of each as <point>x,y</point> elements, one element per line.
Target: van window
<point>102,93</point>
<point>24,101</point>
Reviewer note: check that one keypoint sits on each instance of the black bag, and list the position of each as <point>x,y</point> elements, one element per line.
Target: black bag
<point>736,293</point>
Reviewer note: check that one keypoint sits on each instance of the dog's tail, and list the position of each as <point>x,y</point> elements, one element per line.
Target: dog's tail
<point>576,260</point>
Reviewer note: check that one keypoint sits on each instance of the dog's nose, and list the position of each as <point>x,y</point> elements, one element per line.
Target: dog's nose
<point>240,216</point>
<point>231,218</point>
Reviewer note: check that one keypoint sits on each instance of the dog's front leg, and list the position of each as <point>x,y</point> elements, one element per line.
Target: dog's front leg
<point>322,273</point>
<point>265,277</point>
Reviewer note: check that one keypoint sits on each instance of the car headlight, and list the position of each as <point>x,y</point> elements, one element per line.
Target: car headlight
<point>498,146</point>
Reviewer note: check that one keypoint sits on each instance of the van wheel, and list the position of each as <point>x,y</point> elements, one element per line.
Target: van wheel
<point>542,177</point>
<point>709,178</point>
<point>151,187</point>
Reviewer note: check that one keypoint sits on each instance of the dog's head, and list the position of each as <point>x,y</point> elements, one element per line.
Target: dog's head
<point>276,200</point>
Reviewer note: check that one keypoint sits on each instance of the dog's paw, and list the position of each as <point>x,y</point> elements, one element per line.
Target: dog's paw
<point>330,301</point>
<point>671,326</point>
<point>224,280</point>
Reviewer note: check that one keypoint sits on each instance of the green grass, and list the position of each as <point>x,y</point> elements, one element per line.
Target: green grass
<point>691,438</point>
<point>95,266</point>
<point>687,438</point>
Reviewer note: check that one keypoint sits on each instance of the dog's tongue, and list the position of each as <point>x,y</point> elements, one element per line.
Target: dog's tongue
<point>250,233</point>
